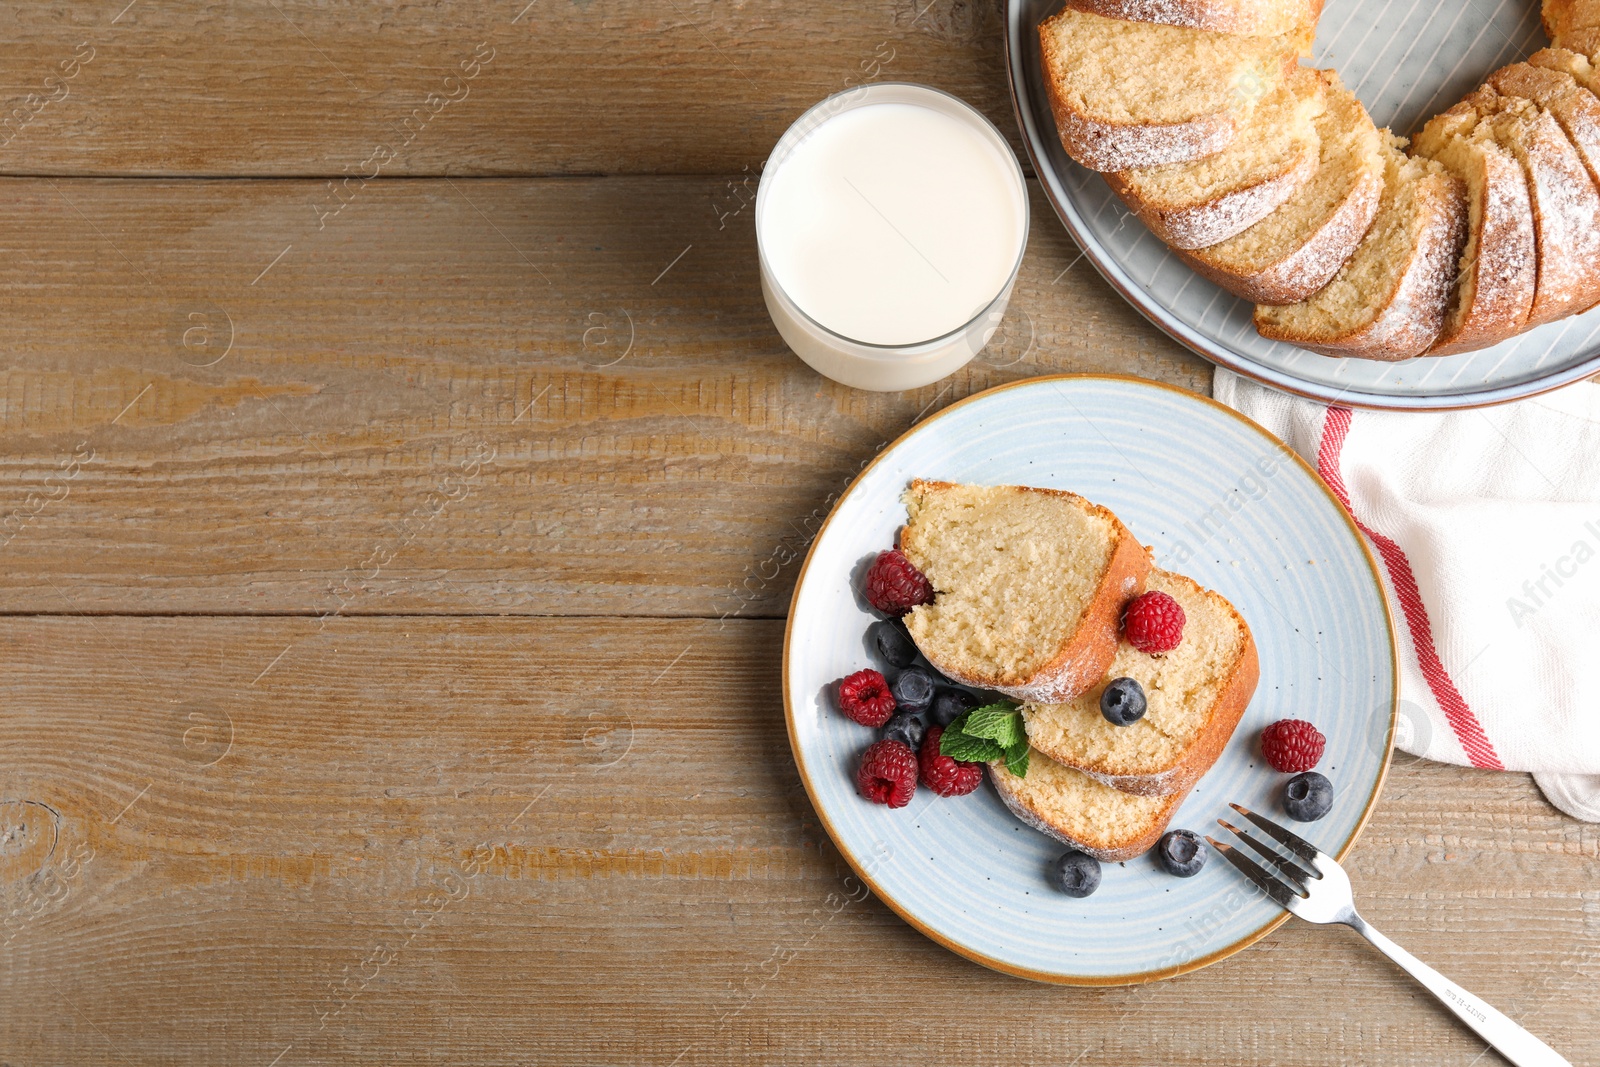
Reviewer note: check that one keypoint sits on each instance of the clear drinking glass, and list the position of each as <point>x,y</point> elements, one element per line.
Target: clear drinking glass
<point>885,367</point>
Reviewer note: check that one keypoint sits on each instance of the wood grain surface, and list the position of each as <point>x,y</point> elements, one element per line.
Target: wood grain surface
<point>512,841</point>
<point>311,87</point>
<point>294,441</point>
<point>288,861</point>
<point>392,573</point>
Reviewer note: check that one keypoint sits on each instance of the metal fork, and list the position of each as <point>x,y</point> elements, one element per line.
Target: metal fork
<point>1317,890</point>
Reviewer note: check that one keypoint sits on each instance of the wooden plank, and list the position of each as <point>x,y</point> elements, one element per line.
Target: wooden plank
<point>313,87</point>
<point>257,840</point>
<point>455,396</point>
<point>255,866</point>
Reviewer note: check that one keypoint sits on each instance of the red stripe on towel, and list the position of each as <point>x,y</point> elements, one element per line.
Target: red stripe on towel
<point>1468,730</point>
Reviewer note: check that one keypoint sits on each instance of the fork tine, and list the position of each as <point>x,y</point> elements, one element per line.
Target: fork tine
<point>1293,842</point>
<point>1252,870</point>
<point>1295,873</point>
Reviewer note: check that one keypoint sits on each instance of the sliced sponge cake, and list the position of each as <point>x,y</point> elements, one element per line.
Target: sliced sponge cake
<point>1566,203</point>
<point>1253,18</point>
<point>1191,205</point>
<point>1390,298</point>
<point>1195,693</point>
<point>1078,811</point>
<point>1565,17</point>
<point>1295,250</point>
<point>1498,270</point>
<point>1029,585</point>
<point>1139,94</point>
<point>1566,61</point>
<point>1571,104</point>
<point>1585,40</point>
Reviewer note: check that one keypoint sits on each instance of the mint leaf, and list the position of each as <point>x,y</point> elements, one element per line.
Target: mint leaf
<point>960,746</point>
<point>1000,723</point>
<point>1017,759</point>
<point>985,734</point>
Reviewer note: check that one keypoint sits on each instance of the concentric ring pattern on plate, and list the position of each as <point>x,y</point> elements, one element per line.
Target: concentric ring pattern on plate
<point>1407,62</point>
<point>1217,498</point>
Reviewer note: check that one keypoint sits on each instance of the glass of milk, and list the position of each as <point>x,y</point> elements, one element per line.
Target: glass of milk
<point>891,219</point>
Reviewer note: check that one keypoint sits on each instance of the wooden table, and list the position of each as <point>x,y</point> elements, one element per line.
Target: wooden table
<point>394,445</point>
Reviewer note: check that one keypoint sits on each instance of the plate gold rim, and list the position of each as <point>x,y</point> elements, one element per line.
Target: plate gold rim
<point>863,872</point>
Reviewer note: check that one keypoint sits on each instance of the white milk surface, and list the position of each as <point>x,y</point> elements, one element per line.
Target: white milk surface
<point>892,224</point>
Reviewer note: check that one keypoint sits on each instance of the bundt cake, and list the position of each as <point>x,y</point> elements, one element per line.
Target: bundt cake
<point>1564,17</point>
<point>1082,813</point>
<point>1574,26</point>
<point>1252,18</point>
<point>1566,204</point>
<point>1491,226</point>
<point>1029,590</point>
<point>1568,62</point>
<point>1571,104</point>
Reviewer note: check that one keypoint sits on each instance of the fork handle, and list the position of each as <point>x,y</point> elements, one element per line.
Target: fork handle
<point>1509,1039</point>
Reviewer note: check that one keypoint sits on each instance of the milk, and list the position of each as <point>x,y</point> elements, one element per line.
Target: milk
<point>891,222</point>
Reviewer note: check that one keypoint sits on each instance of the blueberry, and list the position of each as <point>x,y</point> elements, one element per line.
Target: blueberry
<point>1123,702</point>
<point>907,728</point>
<point>1182,853</point>
<point>1077,874</point>
<point>888,638</point>
<point>912,689</point>
<point>948,703</point>
<point>1308,797</point>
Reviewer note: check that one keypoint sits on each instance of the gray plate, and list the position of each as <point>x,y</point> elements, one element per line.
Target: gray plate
<point>1407,60</point>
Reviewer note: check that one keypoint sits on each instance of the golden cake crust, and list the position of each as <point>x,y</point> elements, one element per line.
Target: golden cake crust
<point>1251,18</point>
<point>1105,142</point>
<point>1563,17</point>
<point>1498,271</point>
<point>1083,657</point>
<point>1131,771</point>
<point>1407,316</point>
<point>1026,798</point>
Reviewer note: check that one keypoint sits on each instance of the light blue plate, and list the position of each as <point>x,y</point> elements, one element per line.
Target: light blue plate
<point>1217,498</point>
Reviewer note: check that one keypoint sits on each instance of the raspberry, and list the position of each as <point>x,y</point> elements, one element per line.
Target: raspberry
<point>894,586</point>
<point>865,697</point>
<point>888,774</point>
<point>1153,623</point>
<point>1292,745</point>
<point>945,776</point>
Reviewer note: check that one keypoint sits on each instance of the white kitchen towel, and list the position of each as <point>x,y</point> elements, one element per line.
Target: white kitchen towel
<point>1486,528</point>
